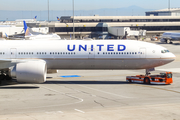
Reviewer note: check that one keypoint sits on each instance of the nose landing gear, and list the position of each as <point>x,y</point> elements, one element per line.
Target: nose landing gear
<point>147,72</point>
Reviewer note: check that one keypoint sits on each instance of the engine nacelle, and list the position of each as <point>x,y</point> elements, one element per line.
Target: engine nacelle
<point>30,72</point>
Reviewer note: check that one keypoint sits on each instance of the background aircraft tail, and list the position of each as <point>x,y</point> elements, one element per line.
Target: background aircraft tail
<point>58,19</point>
<point>35,17</point>
<point>6,35</point>
<point>26,29</point>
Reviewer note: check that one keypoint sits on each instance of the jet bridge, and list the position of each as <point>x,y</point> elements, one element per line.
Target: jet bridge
<point>126,31</point>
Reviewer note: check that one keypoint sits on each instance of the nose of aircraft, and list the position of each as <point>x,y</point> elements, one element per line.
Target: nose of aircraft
<point>170,57</point>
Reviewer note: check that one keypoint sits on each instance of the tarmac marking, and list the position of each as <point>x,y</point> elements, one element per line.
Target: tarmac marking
<point>59,111</point>
<point>80,100</point>
<point>82,77</point>
<point>70,76</point>
<point>156,88</point>
<point>79,111</point>
<point>102,91</point>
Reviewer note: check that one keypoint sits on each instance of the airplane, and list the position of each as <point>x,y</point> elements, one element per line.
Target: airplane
<point>58,19</point>
<point>168,37</point>
<point>30,35</point>
<point>29,61</point>
<point>27,20</point>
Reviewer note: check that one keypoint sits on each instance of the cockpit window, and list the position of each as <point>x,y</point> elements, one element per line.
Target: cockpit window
<point>164,51</point>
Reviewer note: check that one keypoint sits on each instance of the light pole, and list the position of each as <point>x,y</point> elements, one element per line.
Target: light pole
<point>73,18</point>
<point>169,5</point>
<point>48,10</point>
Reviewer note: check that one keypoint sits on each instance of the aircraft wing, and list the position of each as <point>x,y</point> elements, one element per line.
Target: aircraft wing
<point>18,60</point>
<point>5,60</point>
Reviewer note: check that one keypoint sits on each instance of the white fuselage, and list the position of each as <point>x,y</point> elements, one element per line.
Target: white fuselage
<point>88,54</point>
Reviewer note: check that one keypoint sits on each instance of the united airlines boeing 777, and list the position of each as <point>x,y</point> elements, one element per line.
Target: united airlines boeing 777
<point>29,61</point>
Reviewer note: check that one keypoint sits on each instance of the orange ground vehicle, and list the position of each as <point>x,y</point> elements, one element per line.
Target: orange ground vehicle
<point>163,78</point>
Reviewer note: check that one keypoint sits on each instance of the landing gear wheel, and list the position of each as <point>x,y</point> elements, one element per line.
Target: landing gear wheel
<point>171,43</point>
<point>2,77</point>
<point>146,80</point>
<point>7,77</point>
<point>168,41</point>
<point>130,81</point>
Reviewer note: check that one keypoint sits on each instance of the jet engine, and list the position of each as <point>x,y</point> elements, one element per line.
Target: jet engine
<point>30,72</point>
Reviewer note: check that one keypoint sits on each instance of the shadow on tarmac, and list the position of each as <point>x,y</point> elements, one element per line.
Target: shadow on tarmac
<point>100,82</point>
<point>86,82</point>
<point>20,87</point>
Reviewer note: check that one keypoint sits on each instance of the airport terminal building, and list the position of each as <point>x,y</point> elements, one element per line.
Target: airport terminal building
<point>155,23</point>
<point>97,25</point>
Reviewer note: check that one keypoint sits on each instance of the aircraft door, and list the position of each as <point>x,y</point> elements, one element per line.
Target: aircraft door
<point>13,53</point>
<point>142,53</point>
<point>91,52</point>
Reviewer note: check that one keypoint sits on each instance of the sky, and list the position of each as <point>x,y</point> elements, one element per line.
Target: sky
<point>40,5</point>
<point>27,9</point>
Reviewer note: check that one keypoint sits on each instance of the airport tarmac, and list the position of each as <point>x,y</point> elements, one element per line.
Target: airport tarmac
<point>94,95</point>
